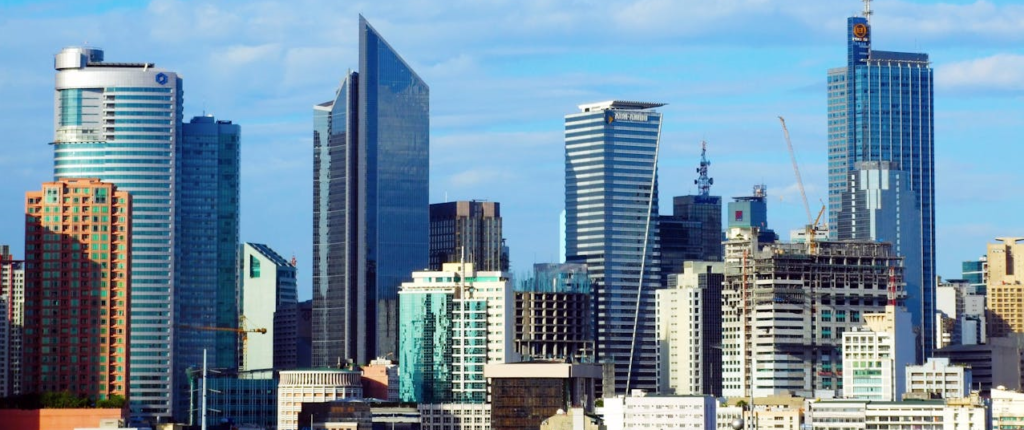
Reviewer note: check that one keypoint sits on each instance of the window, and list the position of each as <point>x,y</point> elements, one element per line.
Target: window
<point>254,267</point>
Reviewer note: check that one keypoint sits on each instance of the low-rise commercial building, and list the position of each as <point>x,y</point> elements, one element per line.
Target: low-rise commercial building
<point>296,387</point>
<point>950,414</point>
<point>639,411</point>
<point>939,379</point>
<point>1007,409</point>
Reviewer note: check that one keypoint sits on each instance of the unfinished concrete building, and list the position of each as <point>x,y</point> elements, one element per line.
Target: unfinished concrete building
<point>553,315</point>
<point>786,306</point>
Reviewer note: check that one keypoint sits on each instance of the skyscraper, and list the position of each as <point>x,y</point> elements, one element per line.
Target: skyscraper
<point>469,230</point>
<point>694,230</point>
<point>746,212</point>
<point>78,270</point>
<point>370,202</point>
<point>121,122</point>
<point>611,204</point>
<point>880,205</point>
<point>12,296</point>
<point>880,108</point>
<point>206,260</point>
<point>268,300</point>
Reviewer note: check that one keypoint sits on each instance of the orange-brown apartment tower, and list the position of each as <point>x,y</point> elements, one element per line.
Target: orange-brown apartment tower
<point>77,273</point>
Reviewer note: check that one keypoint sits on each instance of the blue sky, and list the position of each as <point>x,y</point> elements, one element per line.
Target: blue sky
<point>504,73</point>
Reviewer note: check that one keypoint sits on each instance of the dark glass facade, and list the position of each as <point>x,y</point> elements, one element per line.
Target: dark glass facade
<point>371,218</point>
<point>208,208</point>
<point>471,226</point>
<point>880,108</point>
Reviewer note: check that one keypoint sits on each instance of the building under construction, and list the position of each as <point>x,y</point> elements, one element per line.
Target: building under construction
<point>785,307</point>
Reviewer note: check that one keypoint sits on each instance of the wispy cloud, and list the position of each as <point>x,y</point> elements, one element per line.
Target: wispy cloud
<point>992,75</point>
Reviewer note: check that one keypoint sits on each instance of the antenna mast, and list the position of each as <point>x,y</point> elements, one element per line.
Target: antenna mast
<point>867,10</point>
<point>703,181</point>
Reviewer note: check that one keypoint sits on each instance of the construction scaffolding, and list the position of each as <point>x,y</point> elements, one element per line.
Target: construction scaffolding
<point>785,307</point>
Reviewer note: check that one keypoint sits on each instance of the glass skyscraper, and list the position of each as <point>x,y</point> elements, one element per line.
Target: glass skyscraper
<point>120,122</point>
<point>611,192</point>
<point>370,202</point>
<point>880,108</point>
<point>207,215</point>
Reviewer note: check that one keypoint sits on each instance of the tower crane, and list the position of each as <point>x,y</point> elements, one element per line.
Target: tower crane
<point>243,333</point>
<point>812,224</point>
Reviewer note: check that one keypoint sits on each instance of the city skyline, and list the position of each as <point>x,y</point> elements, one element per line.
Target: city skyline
<point>524,81</point>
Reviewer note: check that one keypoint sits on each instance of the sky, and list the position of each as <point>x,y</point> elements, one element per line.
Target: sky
<point>503,74</point>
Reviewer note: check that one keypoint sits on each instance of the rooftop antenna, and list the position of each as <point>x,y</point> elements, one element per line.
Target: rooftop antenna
<point>867,10</point>
<point>703,181</point>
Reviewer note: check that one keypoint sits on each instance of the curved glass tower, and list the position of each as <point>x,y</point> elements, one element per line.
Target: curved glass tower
<point>120,122</point>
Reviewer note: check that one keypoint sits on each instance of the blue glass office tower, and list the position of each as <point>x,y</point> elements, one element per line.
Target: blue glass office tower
<point>121,122</point>
<point>610,193</point>
<point>370,202</point>
<point>206,284</point>
<point>880,108</point>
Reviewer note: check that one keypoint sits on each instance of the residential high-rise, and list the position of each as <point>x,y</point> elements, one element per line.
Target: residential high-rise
<point>121,123</point>
<point>611,204</point>
<point>453,322</point>
<point>206,249</point>
<point>370,202</point>
<point>269,299</point>
<point>689,314</point>
<point>77,278</point>
<point>880,205</point>
<point>875,355</point>
<point>467,231</point>
<point>12,297</point>
<point>1006,286</point>
<point>554,317</point>
<point>785,308</point>
<point>880,108</point>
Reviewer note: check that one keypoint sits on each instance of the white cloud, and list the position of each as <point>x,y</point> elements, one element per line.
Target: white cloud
<point>997,73</point>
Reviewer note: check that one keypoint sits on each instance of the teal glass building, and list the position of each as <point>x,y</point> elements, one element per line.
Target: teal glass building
<point>880,108</point>
<point>207,224</point>
<point>121,123</point>
<point>610,192</point>
<point>370,202</point>
<point>453,322</point>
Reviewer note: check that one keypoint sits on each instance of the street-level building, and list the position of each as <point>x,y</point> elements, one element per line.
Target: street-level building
<point>939,379</point>
<point>1007,409</point>
<point>875,355</point>
<point>640,411</point>
<point>296,387</point>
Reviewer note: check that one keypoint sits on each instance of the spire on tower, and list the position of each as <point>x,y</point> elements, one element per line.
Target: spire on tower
<point>867,10</point>
<point>703,181</point>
